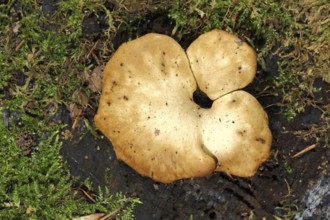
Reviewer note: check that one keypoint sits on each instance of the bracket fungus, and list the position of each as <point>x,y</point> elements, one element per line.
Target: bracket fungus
<point>148,112</point>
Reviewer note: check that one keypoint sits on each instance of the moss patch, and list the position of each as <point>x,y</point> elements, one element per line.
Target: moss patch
<point>45,56</point>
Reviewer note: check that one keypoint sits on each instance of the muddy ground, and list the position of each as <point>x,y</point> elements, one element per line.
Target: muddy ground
<point>283,188</point>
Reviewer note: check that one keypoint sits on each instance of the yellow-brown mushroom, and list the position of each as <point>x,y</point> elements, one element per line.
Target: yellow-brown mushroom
<point>148,112</point>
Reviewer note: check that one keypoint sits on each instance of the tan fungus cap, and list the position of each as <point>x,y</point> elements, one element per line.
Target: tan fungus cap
<point>147,111</point>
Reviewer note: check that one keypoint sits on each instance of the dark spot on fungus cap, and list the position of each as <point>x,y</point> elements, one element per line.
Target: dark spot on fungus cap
<point>241,132</point>
<point>157,132</point>
<point>261,140</point>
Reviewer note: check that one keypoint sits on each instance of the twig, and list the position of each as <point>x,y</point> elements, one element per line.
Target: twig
<point>92,49</point>
<point>20,44</point>
<point>88,196</point>
<point>305,150</point>
<point>91,53</point>
<point>77,120</point>
<point>111,214</point>
<point>96,59</point>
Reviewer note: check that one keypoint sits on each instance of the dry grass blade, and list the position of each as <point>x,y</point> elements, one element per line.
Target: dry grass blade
<point>92,49</point>
<point>88,196</point>
<point>111,214</point>
<point>305,150</point>
<point>19,45</point>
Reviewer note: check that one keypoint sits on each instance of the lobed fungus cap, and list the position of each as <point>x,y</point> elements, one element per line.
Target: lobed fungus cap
<point>148,113</point>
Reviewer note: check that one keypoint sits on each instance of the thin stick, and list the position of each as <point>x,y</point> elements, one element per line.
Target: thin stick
<point>96,59</point>
<point>77,119</point>
<point>92,49</point>
<point>311,147</point>
<point>20,44</point>
<point>88,196</point>
<point>111,214</point>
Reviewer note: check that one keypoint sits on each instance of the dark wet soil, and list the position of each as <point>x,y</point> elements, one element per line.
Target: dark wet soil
<point>282,183</point>
<point>284,187</point>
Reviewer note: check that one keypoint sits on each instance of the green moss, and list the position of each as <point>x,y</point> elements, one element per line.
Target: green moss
<point>288,169</point>
<point>260,20</point>
<point>43,56</point>
<point>295,32</point>
<point>40,186</point>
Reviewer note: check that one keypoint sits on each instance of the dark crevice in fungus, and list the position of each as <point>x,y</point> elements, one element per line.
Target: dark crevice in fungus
<point>201,99</point>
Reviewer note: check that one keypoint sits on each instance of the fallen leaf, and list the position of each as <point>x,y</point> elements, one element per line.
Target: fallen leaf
<point>74,110</point>
<point>81,98</point>
<point>16,26</point>
<point>95,80</point>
